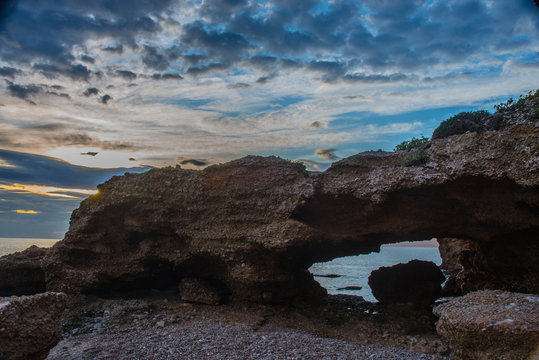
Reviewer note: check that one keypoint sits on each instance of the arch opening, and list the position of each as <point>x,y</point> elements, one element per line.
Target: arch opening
<point>349,275</point>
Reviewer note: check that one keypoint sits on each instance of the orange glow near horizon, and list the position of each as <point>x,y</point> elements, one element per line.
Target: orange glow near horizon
<point>47,190</point>
<point>25,212</point>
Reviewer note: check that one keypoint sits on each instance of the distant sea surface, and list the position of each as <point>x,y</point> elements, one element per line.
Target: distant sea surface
<point>11,245</point>
<point>355,270</point>
<point>351,270</point>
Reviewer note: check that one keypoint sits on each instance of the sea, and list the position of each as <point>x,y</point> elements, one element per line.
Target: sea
<point>355,270</point>
<point>345,271</point>
<point>11,245</point>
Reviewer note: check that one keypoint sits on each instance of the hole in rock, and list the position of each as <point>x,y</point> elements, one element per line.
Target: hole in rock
<point>349,275</point>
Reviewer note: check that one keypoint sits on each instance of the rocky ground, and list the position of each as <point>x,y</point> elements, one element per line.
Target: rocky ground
<point>163,327</point>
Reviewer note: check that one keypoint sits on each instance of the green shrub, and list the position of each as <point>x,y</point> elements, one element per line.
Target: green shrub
<point>461,123</point>
<point>421,158</point>
<point>411,144</point>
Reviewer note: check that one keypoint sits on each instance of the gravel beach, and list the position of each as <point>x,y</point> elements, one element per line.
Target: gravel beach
<point>168,329</point>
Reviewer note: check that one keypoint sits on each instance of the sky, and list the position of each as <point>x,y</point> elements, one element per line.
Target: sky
<point>123,84</point>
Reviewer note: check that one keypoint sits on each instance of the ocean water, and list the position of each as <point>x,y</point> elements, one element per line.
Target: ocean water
<point>355,270</point>
<point>11,245</point>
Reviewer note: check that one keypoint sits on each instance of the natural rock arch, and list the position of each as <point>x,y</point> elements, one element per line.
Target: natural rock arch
<point>255,225</point>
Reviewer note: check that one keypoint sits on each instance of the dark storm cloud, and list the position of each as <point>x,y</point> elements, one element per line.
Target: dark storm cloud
<point>167,76</point>
<point>48,30</point>
<point>30,92</point>
<point>153,58</point>
<point>83,139</point>
<point>126,74</point>
<point>25,92</point>
<point>105,99</point>
<point>193,59</point>
<point>90,91</point>
<point>199,70</point>
<point>371,39</point>
<point>266,78</point>
<point>90,153</point>
<point>72,71</point>
<point>10,72</point>
<point>220,44</point>
<point>87,59</point>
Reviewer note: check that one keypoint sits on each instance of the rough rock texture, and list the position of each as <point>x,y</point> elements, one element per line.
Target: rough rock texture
<point>450,252</point>
<point>493,325</point>
<point>21,273</point>
<point>255,225</point>
<point>199,291</point>
<point>30,325</point>
<point>417,282</point>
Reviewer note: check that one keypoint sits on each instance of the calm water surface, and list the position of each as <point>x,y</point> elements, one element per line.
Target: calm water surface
<point>11,245</point>
<point>355,270</point>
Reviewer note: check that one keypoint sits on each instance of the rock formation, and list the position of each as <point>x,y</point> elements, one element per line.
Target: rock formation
<point>418,282</point>
<point>490,325</point>
<point>21,273</point>
<point>30,325</point>
<point>254,226</point>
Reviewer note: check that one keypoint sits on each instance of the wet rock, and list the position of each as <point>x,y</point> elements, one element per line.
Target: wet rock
<point>30,325</point>
<point>417,282</point>
<point>21,273</point>
<point>200,291</point>
<point>490,325</point>
<point>257,224</point>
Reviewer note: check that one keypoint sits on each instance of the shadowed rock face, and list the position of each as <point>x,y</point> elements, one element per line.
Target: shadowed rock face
<point>253,226</point>
<point>418,282</point>
<point>21,273</point>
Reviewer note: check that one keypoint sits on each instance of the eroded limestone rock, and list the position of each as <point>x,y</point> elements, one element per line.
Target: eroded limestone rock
<point>30,325</point>
<point>490,325</point>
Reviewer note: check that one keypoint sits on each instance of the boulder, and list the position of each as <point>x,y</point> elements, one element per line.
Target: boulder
<point>418,282</point>
<point>256,224</point>
<point>30,325</point>
<point>490,324</point>
<point>21,273</point>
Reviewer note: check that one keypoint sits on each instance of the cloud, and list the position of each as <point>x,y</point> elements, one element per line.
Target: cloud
<point>73,71</point>
<point>328,154</point>
<point>314,165</point>
<point>87,59</point>
<point>31,212</point>
<point>90,91</point>
<point>10,72</point>
<point>90,153</point>
<point>194,162</point>
<point>317,125</point>
<point>167,76</point>
<point>240,85</point>
<point>115,49</point>
<point>25,92</point>
<point>105,99</point>
<point>126,74</point>
<point>153,58</point>
<point>46,191</point>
